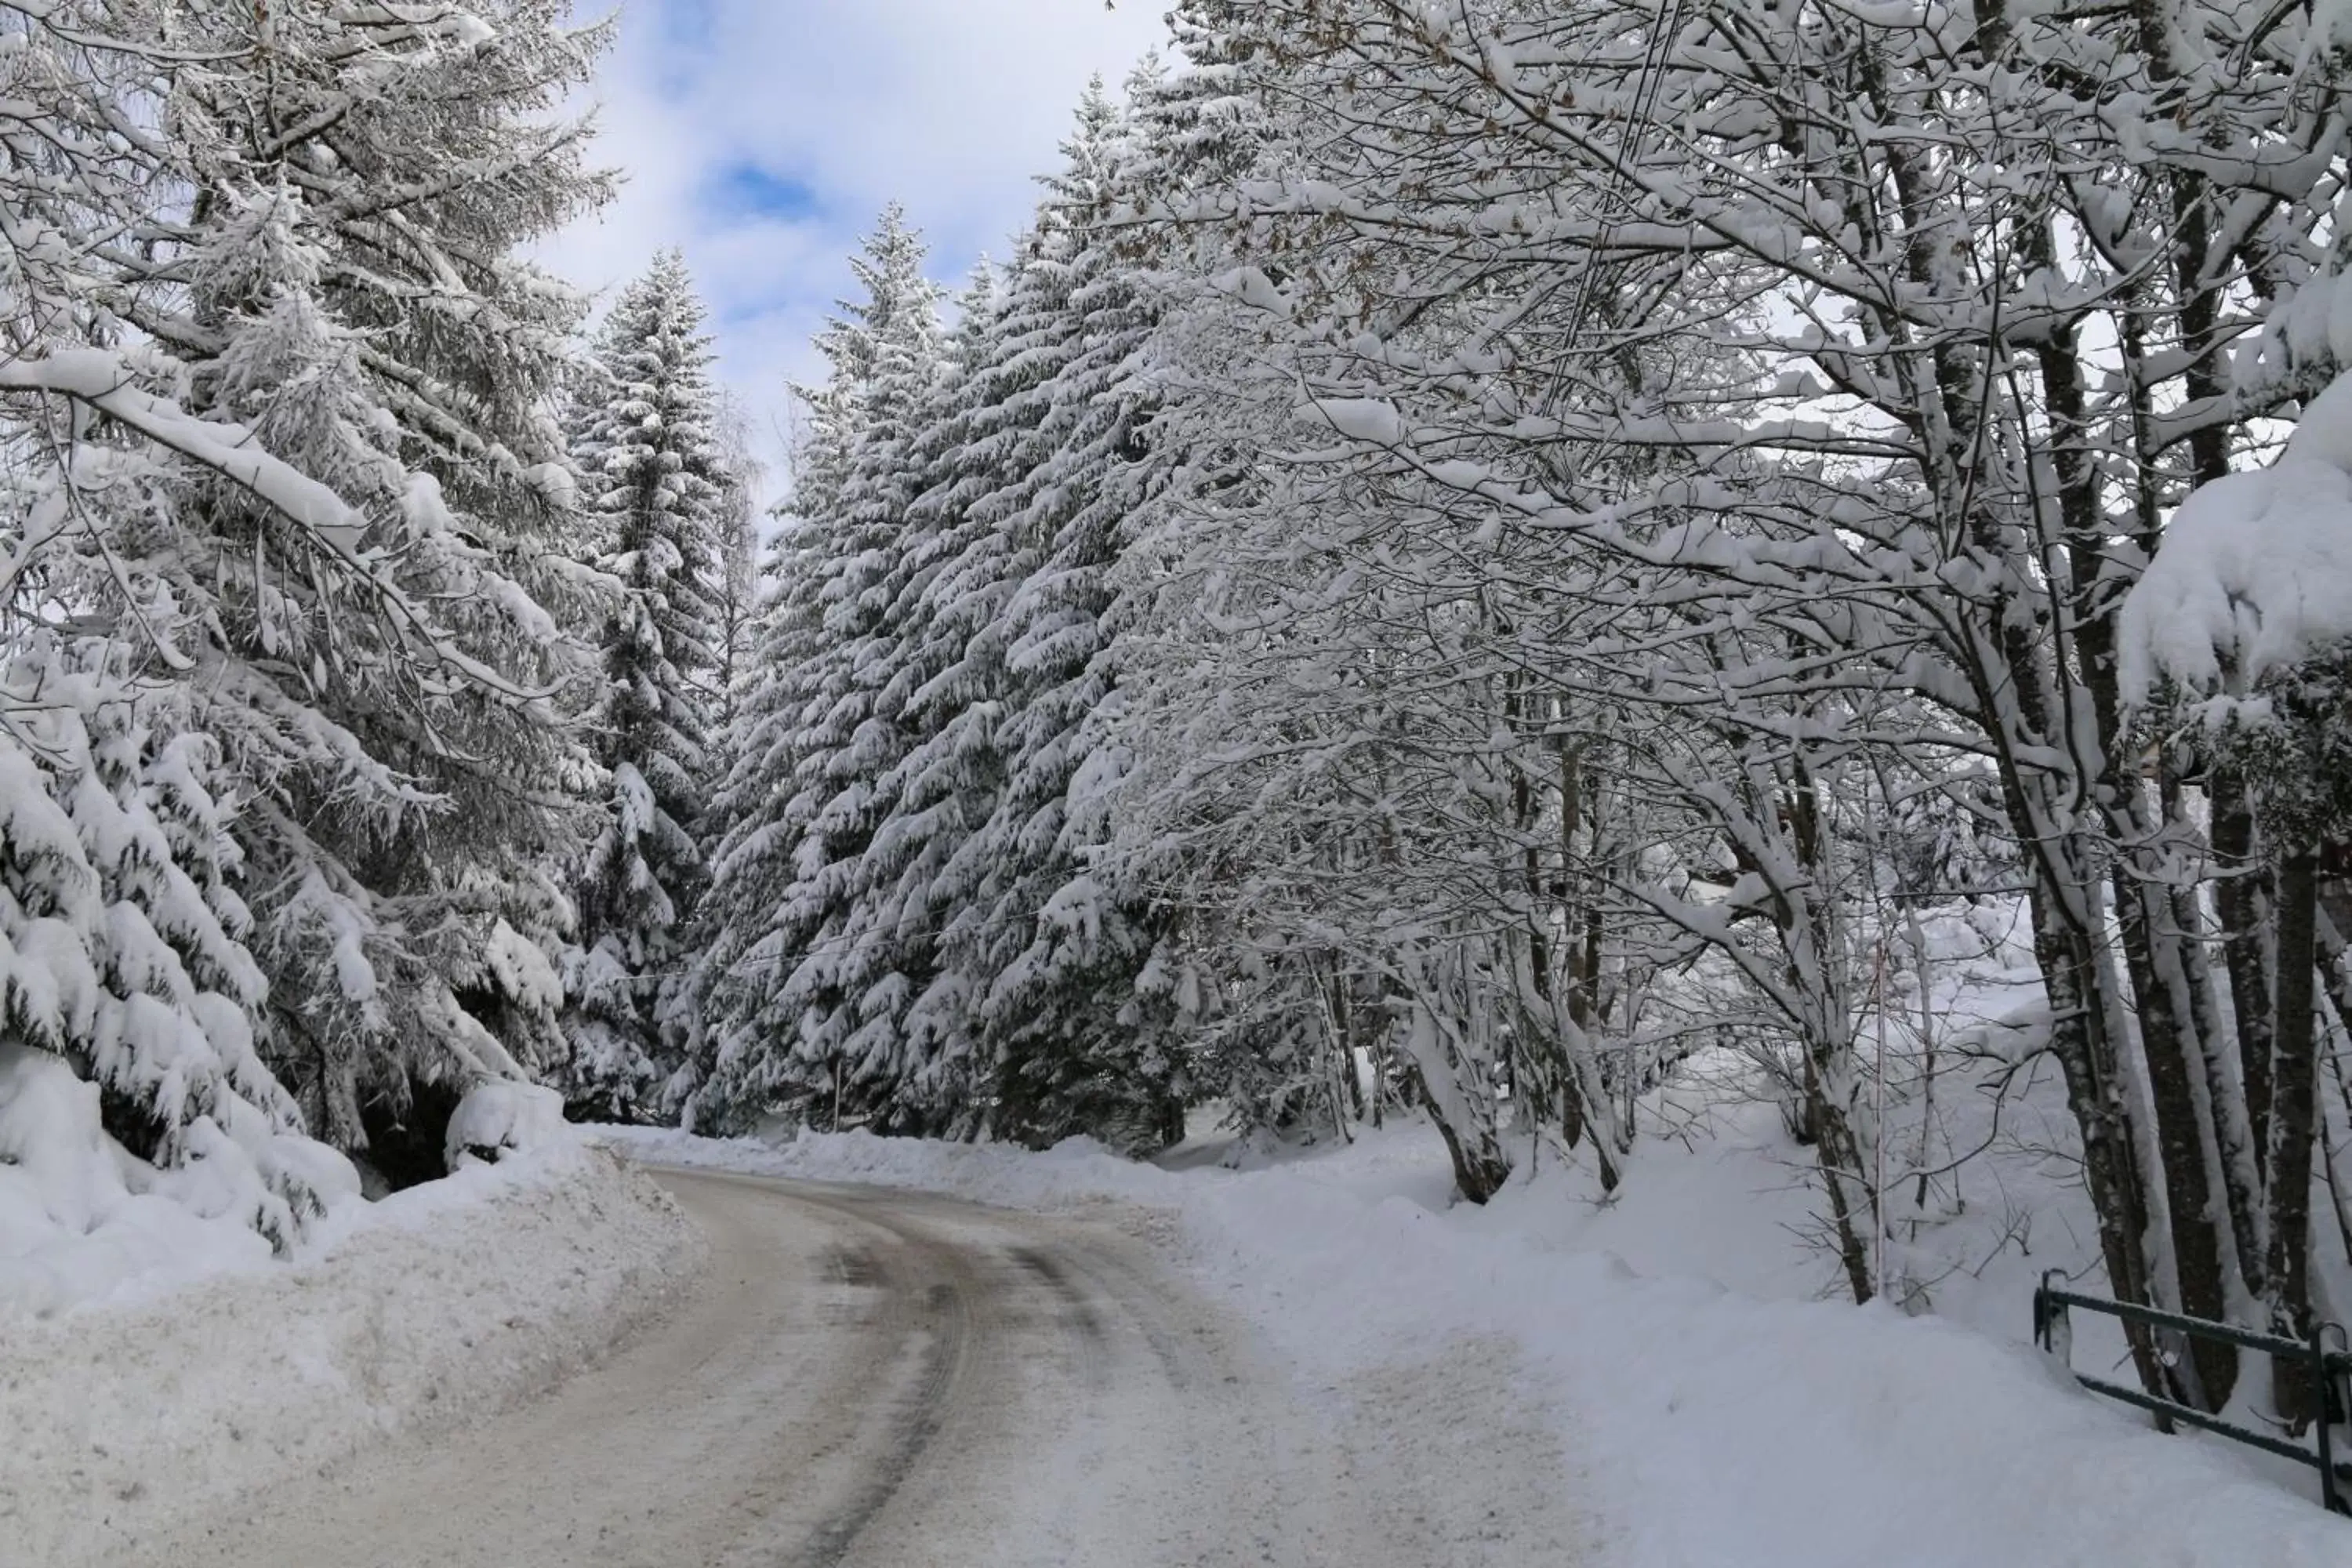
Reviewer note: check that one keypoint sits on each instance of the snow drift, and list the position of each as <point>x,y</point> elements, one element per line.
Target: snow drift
<point>438,1305</point>
<point>83,1220</point>
<point>499,1120</point>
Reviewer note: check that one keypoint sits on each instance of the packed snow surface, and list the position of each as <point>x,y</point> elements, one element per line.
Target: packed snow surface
<point>1698,1424</point>
<point>867,1379</point>
<point>434,1307</point>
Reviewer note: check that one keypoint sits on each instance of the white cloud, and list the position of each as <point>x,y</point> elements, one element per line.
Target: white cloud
<point>950,106</point>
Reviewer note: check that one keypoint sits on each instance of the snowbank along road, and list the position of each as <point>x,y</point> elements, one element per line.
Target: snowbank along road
<point>889,1380</point>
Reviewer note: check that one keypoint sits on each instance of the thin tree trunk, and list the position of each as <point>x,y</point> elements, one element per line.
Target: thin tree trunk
<point>1839,1153</point>
<point>2242,896</point>
<point>2239,1157</point>
<point>2335,918</point>
<point>2086,1053</point>
<point>1927,1057</point>
<point>2241,1120</point>
<point>2153,956</point>
<point>2336,1194</point>
<point>2294,1103</point>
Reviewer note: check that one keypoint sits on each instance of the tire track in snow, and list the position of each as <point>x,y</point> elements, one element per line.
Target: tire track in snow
<point>863,1379</point>
<point>942,1333</point>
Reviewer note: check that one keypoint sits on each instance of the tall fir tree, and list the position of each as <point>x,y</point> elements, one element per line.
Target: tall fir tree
<point>929,663</point>
<point>770,1020</point>
<point>951,951</point>
<point>1068,971</point>
<point>1002,975</point>
<point>309,385</point>
<point>363,181</point>
<point>648,443</point>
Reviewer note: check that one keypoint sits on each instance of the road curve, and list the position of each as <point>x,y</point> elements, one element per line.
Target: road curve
<point>883,1380</point>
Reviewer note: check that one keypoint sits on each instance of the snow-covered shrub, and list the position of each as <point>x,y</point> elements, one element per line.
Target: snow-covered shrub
<point>122,948</point>
<point>79,1213</point>
<point>498,1118</point>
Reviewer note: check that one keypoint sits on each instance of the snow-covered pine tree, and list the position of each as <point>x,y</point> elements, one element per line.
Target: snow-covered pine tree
<point>772,1019</point>
<point>1052,954</point>
<point>369,318</point>
<point>659,488</point>
<point>973,966</point>
<point>847,983</point>
<point>122,944</point>
<point>129,1002</point>
<point>935,670</point>
<point>738,531</point>
<point>316,489</point>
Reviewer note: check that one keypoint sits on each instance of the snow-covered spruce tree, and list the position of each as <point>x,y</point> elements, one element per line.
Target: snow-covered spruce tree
<point>122,951</point>
<point>129,1002</point>
<point>927,777</point>
<point>336,474</point>
<point>774,1023</point>
<point>1065,968</point>
<point>969,874</point>
<point>417,369</point>
<point>862,893</point>
<point>997,975</point>
<point>659,488</point>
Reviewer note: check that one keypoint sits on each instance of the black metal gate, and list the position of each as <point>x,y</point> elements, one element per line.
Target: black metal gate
<point>2329,1371</point>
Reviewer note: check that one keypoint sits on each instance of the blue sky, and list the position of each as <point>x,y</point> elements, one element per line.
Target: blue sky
<point>763,136</point>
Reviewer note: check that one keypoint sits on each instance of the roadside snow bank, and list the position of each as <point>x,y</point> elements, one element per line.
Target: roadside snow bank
<point>1067,1176</point>
<point>1709,1429</point>
<point>83,1222</point>
<point>436,1306</point>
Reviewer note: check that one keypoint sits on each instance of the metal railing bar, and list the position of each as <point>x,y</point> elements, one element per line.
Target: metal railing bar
<point>2325,1367</point>
<point>2284,1449</point>
<point>2156,1317</point>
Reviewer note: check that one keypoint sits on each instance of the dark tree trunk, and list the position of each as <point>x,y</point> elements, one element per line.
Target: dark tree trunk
<point>2086,1053</point>
<point>2242,897</point>
<point>1840,1154</point>
<point>1480,1166</point>
<point>2294,1107</point>
<point>2152,952</point>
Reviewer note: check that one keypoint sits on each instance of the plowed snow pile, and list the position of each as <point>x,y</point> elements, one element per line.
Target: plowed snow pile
<point>435,1306</point>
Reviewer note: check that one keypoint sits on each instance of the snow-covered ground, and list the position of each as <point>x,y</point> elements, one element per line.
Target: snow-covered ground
<point>168,1396</point>
<point>1704,1424</point>
<point>876,1379</point>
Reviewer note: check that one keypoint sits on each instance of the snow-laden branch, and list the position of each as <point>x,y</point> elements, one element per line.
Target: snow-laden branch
<point>2255,572</point>
<point>49,17</point>
<point>99,379</point>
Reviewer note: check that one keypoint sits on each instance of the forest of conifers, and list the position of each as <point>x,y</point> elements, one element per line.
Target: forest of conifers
<point>1472,554</point>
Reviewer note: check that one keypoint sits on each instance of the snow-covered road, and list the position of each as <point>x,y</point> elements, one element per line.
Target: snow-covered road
<point>900,1379</point>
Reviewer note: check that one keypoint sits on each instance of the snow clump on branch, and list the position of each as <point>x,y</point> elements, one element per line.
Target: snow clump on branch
<point>2255,572</point>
